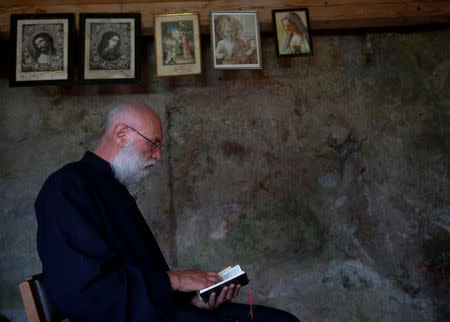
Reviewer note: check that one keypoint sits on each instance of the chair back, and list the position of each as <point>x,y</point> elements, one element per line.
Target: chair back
<point>34,297</point>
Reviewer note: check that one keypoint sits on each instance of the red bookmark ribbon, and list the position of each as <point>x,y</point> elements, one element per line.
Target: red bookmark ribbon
<point>251,308</point>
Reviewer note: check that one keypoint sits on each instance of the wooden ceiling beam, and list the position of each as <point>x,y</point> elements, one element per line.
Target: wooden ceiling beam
<point>324,14</point>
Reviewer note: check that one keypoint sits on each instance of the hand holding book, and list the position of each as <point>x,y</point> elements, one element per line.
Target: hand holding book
<point>191,280</point>
<point>230,275</point>
<point>212,288</point>
<point>215,300</point>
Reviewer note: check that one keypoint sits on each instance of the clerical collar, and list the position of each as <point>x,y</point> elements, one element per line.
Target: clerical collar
<point>94,161</point>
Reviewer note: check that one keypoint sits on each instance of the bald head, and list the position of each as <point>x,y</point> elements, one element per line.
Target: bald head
<point>132,114</point>
<point>117,133</point>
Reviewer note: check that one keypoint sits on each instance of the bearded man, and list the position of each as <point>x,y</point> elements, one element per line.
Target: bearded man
<point>43,45</point>
<point>99,258</point>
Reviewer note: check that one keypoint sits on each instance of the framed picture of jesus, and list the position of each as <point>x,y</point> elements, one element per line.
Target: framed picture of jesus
<point>41,49</point>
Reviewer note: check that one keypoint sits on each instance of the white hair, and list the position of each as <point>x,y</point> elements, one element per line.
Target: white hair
<point>129,166</point>
<point>119,113</point>
<point>113,117</point>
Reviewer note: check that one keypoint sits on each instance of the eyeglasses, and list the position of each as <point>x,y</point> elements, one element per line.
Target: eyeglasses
<point>154,145</point>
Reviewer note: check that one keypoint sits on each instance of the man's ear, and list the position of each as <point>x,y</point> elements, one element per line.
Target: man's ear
<point>121,134</point>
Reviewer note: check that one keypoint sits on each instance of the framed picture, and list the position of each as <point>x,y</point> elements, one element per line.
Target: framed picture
<point>292,28</point>
<point>235,40</point>
<point>41,49</point>
<point>177,45</point>
<point>110,48</point>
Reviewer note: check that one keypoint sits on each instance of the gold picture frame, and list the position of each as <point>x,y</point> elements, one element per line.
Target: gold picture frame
<point>177,45</point>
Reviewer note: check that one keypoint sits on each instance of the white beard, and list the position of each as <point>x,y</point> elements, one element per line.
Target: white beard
<point>129,166</point>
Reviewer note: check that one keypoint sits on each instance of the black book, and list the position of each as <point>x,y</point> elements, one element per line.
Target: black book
<point>230,275</point>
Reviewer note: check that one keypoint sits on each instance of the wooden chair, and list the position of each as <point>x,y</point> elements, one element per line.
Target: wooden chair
<point>34,298</point>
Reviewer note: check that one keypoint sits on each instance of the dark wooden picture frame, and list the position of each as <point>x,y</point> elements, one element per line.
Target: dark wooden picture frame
<point>110,48</point>
<point>41,49</point>
<point>292,32</point>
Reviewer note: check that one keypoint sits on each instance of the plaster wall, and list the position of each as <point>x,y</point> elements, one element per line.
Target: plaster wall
<point>325,177</point>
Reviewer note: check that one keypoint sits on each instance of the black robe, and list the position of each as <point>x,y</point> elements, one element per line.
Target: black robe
<point>99,258</point>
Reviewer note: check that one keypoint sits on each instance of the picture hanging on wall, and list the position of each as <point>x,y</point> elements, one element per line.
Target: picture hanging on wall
<point>292,29</point>
<point>41,49</point>
<point>235,40</point>
<point>110,48</point>
<point>177,45</point>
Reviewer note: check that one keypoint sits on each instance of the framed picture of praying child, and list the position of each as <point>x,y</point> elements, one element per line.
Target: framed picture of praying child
<point>235,40</point>
<point>177,45</point>
<point>292,28</point>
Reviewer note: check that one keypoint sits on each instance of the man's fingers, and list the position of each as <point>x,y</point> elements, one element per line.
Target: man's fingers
<point>192,280</point>
<point>213,277</point>
<point>212,301</point>
<point>236,290</point>
<point>229,294</point>
<point>222,296</point>
<point>215,300</point>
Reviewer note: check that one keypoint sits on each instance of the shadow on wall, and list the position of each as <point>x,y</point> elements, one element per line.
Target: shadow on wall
<point>280,229</point>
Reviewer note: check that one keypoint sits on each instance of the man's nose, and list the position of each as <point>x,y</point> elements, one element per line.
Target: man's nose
<point>157,154</point>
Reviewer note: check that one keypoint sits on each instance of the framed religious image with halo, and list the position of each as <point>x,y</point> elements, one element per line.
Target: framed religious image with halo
<point>41,49</point>
<point>292,29</point>
<point>177,45</point>
<point>110,48</point>
<point>235,40</point>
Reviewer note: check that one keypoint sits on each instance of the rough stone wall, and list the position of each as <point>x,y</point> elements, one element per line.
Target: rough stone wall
<point>326,177</point>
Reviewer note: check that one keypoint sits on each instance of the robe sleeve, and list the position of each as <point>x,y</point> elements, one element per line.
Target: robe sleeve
<point>85,278</point>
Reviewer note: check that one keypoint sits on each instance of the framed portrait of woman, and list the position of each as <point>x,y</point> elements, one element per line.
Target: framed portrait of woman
<point>292,29</point>
<point>235,40</point>
<point>110,48</point>
<point>41,49</point>
<point>177,45</point>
